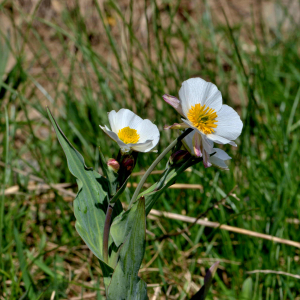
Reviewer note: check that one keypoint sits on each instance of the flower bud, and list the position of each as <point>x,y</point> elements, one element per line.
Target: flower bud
<point>113,165</point>
<point>128,163</point>
<point>179,157</point>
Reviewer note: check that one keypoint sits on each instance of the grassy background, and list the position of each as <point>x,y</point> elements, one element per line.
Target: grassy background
<point>84,58</point>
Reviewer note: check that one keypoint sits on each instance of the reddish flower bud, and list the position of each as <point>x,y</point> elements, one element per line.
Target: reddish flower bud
<point>128,163</point>
<point>113,165</point>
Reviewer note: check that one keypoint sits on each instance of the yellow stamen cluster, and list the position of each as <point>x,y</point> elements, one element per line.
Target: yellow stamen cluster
<point>128,135</point>
<point>203,118</point>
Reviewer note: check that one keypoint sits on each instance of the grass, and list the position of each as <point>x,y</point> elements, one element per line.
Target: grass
<point>85,63</point>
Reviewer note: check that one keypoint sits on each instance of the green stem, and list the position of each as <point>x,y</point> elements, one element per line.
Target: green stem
<point>106,232</point>
<point>158,159</point>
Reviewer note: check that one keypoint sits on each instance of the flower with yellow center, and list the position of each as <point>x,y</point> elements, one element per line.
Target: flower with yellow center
<point>200,104</point>
<point>131,132</point>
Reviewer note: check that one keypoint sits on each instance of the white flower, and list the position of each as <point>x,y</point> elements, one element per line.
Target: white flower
<point>131,132</point>
<point>218,159</point>
<point>200,103</point>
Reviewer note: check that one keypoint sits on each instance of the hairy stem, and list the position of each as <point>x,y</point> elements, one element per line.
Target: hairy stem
<point>158,159</point>
<point>106,232</point>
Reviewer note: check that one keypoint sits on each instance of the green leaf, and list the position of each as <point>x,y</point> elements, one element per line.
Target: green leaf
<point>91,201</point>
<point>106,269</point>
<point>119,192</point>
<point>201,295</point>
<point>122,225</point>
<point>125,283</point>
<point>247,289</point>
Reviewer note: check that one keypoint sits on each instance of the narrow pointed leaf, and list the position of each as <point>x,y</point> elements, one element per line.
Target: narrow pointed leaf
<point>201,295</point>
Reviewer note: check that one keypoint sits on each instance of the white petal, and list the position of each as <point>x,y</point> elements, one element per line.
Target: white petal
<point>219,158</point>
<point>197,90</point>
<point>147,131</point>
<point>155,142</point>
<point>207,144</point>
<point>188,142</point>
<point>218,162</point>
<point>143,147</point>
<point>220,140</point>
<point>125,117</point>
<point>115,137</point>
<point>191,125</point>
<point>206,160</point>
<point>229,124</point>
<point>111,134</point>
<point>221,154</point>
<point>112,117</point>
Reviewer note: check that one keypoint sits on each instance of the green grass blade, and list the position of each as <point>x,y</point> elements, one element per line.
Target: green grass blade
<point>30,288</point>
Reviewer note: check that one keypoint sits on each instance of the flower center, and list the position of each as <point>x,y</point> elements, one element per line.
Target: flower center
<point>128,135</point>
<point>203,118</point>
